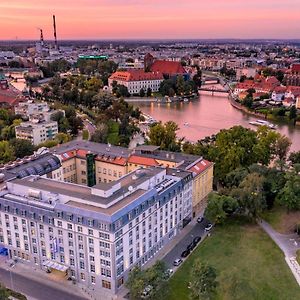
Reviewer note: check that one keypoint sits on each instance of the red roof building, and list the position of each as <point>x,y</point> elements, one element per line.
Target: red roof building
<point>137,79</point>
<point>9,98</point>
<point>168,68</point>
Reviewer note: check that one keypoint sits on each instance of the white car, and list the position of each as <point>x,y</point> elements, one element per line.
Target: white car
<point>177,262</point>
<point>208,227</point>
<point>147,291</point>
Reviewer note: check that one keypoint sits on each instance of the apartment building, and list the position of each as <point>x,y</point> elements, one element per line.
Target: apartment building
<point>30,108</point>
<point>94,234</point>
<point>108,163</point>
<point>37,132</point>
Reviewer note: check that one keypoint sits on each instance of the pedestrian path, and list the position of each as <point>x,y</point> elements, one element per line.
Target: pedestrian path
<point>289,244</point>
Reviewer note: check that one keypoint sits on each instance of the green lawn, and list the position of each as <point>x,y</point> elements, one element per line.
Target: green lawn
<point>282,220</point>
<point>249,266</point>
<point>298,256</point>
<point>113,133</point>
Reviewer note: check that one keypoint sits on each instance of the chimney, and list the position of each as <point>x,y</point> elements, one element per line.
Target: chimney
<point>55,37</point>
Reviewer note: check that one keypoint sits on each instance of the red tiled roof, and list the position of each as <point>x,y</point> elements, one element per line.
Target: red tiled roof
<point>112,159</point>
<point>296,68</point>
<point>140,160</point>
<point>135,75</point>
<point>280,89</point>
<point>9,97</point>
<point>168,67</point>
<point>201,166</point>
<point>67,155</point>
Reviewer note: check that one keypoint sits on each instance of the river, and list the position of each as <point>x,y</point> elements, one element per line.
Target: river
<point>208,115</point>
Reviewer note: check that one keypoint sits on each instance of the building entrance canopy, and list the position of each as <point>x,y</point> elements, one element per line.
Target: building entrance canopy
<point>55,265</point>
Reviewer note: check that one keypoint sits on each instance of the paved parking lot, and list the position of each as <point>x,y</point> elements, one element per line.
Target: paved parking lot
<point>197,230</point>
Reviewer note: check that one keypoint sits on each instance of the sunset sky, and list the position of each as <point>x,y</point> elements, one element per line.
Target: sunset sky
<point>129,19</point>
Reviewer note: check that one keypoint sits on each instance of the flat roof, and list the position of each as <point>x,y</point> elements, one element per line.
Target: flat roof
<point>96,148</point>
<point>86,193</point>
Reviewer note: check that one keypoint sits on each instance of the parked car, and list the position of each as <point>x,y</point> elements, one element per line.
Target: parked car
<point>146,292</point>
<point>185,253</point>
<point>197,239</point>
<point>208,227</point>
<point>200,220</point>
<point>177,262</point>
<point>168,273</point>
<point>191,246</point>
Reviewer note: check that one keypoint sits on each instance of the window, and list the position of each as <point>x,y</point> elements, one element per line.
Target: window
<point>81,255</point>
<point>70,226</point>
<point>91,232</point>
<point>93,279</point>
<point>70,235</point>
<point>82,276</point>
<point>92,267</point>
<point>81,265</point>
<point>79,228</point>
<point>106,284</point>
<point>91,241</point>
<point>72,262</point>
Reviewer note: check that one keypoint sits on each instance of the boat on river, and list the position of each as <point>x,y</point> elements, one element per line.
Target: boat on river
<point>263,123</point>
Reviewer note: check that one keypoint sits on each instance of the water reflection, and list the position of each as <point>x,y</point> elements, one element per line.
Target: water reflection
<point>207,116</point>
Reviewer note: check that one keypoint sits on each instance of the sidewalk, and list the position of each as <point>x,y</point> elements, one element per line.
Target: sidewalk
<point>288,243</point>
<point>163,252</point>
<point>40,276</point>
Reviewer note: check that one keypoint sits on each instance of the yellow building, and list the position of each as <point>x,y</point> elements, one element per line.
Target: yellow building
<point>109,163</point>
<point>203,173</point>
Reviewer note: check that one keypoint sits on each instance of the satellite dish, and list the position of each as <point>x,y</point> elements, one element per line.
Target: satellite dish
<point>130,188</point>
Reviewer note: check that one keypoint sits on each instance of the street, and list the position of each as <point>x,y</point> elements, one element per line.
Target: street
<point>35,289</point>
<point>197,230</point>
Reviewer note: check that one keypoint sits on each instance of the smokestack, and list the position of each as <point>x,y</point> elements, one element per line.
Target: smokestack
<point>55,38</point>
<point>42,37</point>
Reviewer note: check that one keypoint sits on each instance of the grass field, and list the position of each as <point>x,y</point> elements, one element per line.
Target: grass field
<point>282,220</point>
<point>249,266</point>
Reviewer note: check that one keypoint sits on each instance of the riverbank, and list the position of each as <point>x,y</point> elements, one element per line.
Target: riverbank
<point>161,99</point>
<point>239,106</point>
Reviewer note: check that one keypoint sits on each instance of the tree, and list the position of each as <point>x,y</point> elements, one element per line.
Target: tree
<point>136,283</point>
<point>219,207</point>
<point>293,113</point>
<point>295,157</point>
<point>180,85</point>
<point>4,294</point>
<point>250,195</point>
<point>6,152</point>
<point>85,134</point>
<point>149,92</point>
<point>100,135</point>
<point>63,138</point>
<point>232,149</point>
<point>203,281</point>
<point>22,147</point>
<point>265,149</point>
<point>281,149</point>
<point>164,136</point>
<point>142,92</point>
<point>289,196</point>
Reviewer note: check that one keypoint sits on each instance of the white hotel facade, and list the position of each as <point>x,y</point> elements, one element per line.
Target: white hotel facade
<point>94,234</point>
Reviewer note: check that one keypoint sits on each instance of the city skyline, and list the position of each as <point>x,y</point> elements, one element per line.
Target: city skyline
<point>156,20</point>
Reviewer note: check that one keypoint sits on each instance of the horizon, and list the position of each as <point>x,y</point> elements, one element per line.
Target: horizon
<point>139,19</point>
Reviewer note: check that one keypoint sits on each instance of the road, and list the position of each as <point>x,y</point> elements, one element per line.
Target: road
<point>198,230</point>
<point>35,289</point>
<point>89,127</point>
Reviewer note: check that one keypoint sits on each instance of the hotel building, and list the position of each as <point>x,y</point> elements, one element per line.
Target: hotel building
<point>93,234</point>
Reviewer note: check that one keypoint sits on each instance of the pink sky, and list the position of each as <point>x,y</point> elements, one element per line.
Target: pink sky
<point>113,19</point>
